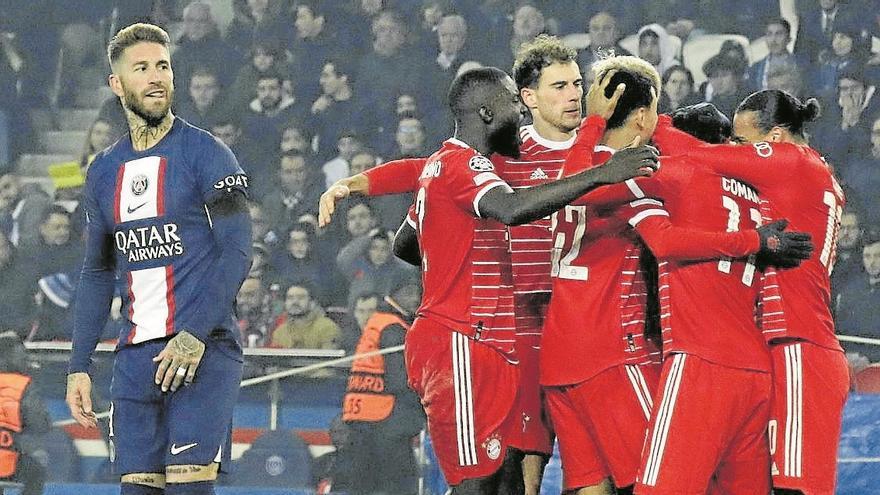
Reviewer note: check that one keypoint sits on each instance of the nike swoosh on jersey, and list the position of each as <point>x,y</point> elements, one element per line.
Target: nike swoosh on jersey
<point>176,450</point>
<point>132,210</point>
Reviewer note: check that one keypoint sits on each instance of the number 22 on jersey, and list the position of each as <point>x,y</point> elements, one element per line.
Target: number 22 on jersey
<point>572,226</point>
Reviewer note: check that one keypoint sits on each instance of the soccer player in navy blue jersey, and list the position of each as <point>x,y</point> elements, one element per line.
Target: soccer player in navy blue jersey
<point>166,209</point>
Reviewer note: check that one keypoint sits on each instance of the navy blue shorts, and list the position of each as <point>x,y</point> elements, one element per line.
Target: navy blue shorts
<point>150,429</point>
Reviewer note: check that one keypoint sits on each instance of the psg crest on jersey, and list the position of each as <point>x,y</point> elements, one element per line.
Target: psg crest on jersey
<point>480,163</point>
<point>139,184</point>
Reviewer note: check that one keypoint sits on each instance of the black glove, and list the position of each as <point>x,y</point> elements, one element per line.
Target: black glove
<point>782,249</point>
<point>703,121</point>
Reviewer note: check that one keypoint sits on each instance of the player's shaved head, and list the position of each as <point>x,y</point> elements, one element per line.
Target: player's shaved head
<point>472,89</point>
<point>642,85</point>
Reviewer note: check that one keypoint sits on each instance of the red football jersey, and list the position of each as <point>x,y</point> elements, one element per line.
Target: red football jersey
<point>707,307</point>
<point>466,270</point>
<point>800,187</point>
<point>596,316</point>
<point>530,244</point>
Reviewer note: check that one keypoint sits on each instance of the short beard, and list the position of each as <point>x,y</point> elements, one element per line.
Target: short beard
<point>505,140</point>
<point>153,119</point>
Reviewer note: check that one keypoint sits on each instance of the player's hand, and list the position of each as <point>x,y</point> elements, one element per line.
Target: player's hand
<point>327,203</point>
<point>633,161</point>
<point>783,249</point>
<point>597,102</point>
<point>79,399</point>
<point>179,361</point>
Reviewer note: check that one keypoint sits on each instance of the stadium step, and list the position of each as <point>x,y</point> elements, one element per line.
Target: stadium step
<point>62,142</point>
<point>76,119</point>
<point>92,97</point>
<point>38,164</point>
<point>42,119</point>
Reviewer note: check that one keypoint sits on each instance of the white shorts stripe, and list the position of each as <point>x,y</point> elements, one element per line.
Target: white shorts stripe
<point>464,407</point>
<point>794,411</point>
<point>634,374</point>
<point>660,431</point>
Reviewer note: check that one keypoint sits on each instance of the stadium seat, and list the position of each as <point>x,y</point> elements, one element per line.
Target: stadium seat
<point>59,142</point>
<point>757,50</point>
<point>276,459</point>
<point>867,381</point>
<point>698,50</point>
<point>38,164</point>
<point>76,119</point>
<point>578,41</point>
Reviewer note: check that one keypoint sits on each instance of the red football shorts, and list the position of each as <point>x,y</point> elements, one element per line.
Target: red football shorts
<point>467,389</point>
<point>810,386</point>
<point>601,424</point>
<point>708,430</point>
<point>531,431</point>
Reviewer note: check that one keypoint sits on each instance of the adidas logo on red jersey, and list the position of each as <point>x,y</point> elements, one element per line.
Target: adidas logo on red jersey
<point>538,174</point>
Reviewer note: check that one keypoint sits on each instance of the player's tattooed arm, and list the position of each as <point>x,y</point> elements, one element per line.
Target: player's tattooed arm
<point>79,399</point>
<point>179,361</point>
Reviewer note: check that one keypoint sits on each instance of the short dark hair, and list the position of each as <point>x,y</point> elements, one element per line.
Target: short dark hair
<point>534,56</point>
<point>204,70</point>
<point>134,34</point>
<point>463,92</point>
<point>782,22</point>
<point>777,108</point>
<point>270,74</point>
<point>636,95</point>
<point>678,68</point>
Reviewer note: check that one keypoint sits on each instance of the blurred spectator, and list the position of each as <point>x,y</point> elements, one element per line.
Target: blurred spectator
<point>777,35</point>
<point>16,291</point>
<point>336,98</point>
<point>380,410</point>
<point>271,110</point>
<point>389,69</point>
<point>726,86</point>
<point>359,311</point>
<point>260,267</point>
<point>679,17</point>
<point>369,264</point>
<point>200,45</point>
<point>313,42</point>
<point>205,103</point>
<point>303,324</point>
<point>843,133</point>
<point>432,12</point>
<point>52,264</point>
<point>848,49</point>
<point>255,317</point>
<point>656,48</point>
<point>101,134</point>
<point>450,52</point>
<point>410,139</point>
<point>300,261</point>
<point>266,57</point>
<point>348,144</point>
<point>817,23</point>
<point>254,20</point>
<point>297,192</point>
<point>604,38</point>
<point>23,417</point>
<point>678,89</point>
<point>262,231</point>
<point>861,173</point>
<point>528,22</point>
<point>786,77</point>
<point>21,210</point>
<point>849,251</point>
<point>858,302</point>
<point>227,128</point>
<point>360,220</point>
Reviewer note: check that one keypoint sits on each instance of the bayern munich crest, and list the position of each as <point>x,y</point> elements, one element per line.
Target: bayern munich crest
<point>139,184</point>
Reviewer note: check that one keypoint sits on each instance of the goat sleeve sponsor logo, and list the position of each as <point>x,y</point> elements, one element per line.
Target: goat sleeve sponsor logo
<point>149,243</point>
<point>234,181</point>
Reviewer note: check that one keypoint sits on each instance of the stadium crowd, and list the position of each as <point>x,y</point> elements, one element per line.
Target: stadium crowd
<point>306,92</point>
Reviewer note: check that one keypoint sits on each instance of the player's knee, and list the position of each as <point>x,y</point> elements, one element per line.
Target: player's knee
<point>181,474</point>
<point>147,483</point>
<point>196,488</point>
